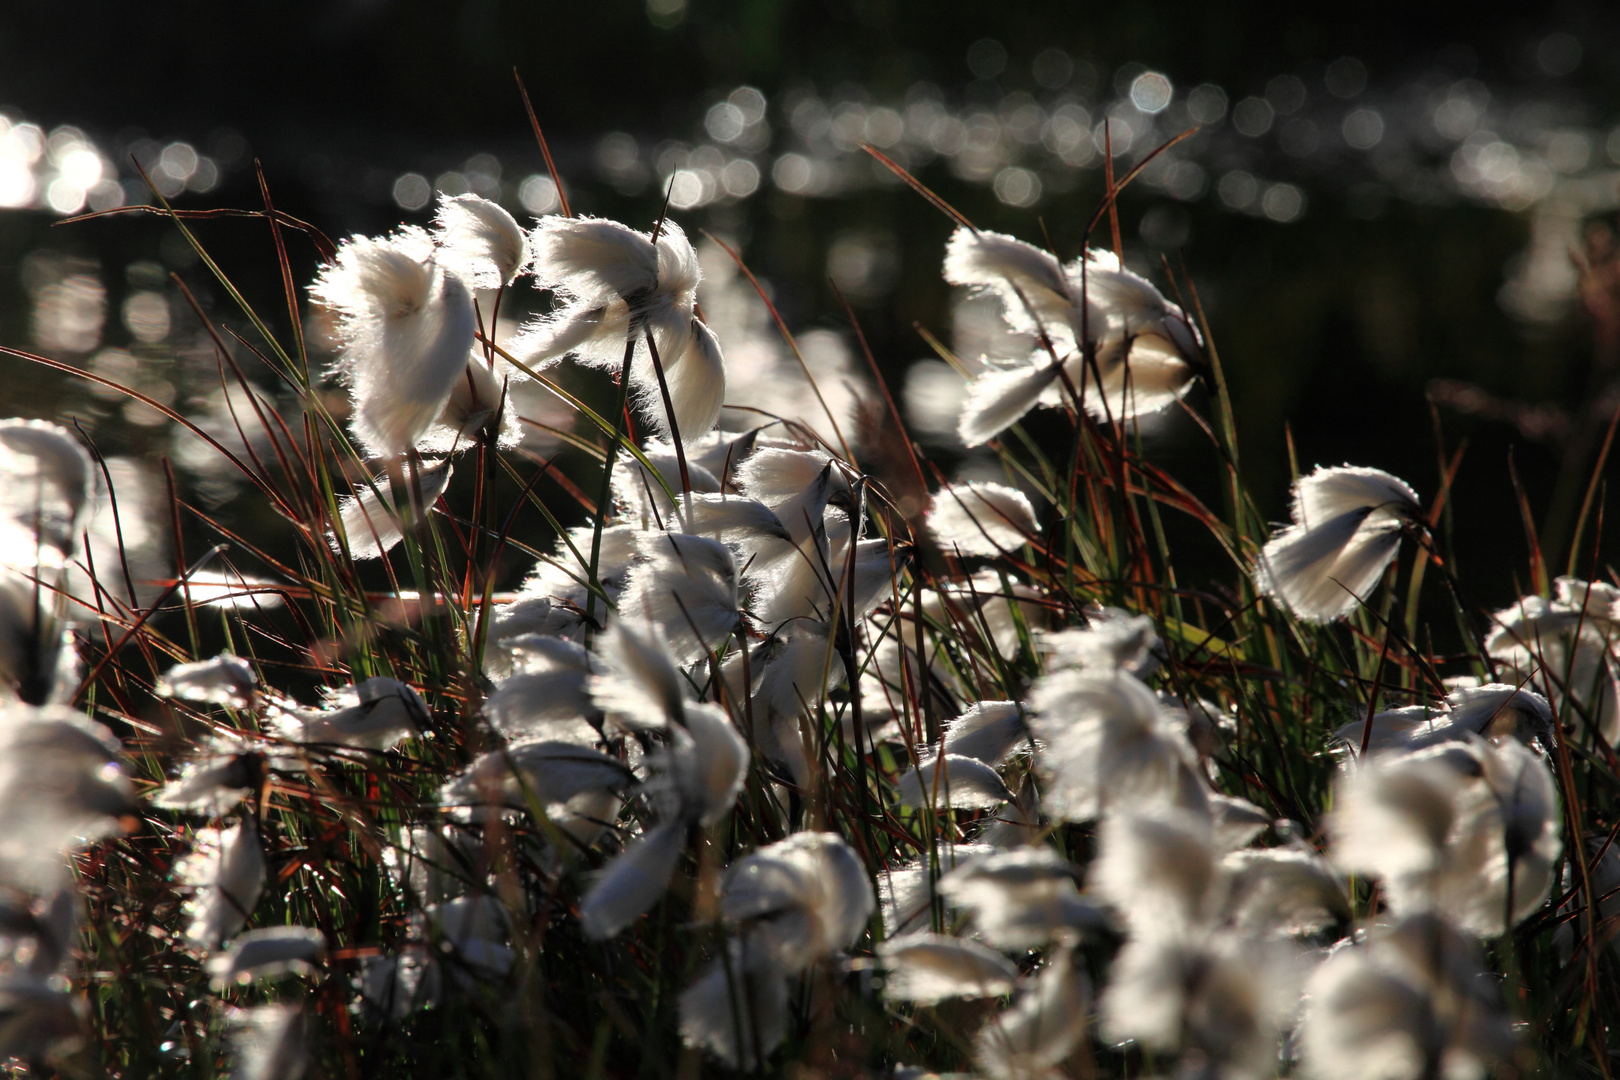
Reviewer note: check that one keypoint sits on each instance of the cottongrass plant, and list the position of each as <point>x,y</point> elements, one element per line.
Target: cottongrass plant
<point>708,755</point>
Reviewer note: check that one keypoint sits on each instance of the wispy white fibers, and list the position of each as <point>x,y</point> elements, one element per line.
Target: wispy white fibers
<point>1446,829</point>
<point>61,788</point>
<point>906,892</point>
<point>259,954</point>
<point>373,714</point>
<point>738,1008</point>
<point>1495,711</point>
<point>214,781</point>
<point>1108,741</point>
<point>999,397</point>
<point>1021,898</point>
<point>1046,1022</point>
<point>698,774</point>
<point>1411,1002</point>
<point>617,286</point>
<point>633,881</point>
<point>372,525</point>
<point>1159,870</point>
<point>548,697</point>
<point>1124,351</point>
<point>225,871</point>
<point>981,519</point>
<point>1347,526</point>
<point>928,968</point>
<point>1221,998</point>
<point>478,394</point>
<point>686,586</point>
<point>1567,646</point>
<point>960,783</point>
<point>546,773</point>
<point>988,731</point>
<point>791,671</point>
<point>1035,292</point>
<point>405,326</point>
<point>47,495</point>
<point>1131,305</point>
<point>269,1042</point>
<point>1112,640</point>
<point>641,688</point>
<point>1289,890</point>
<point>806,897</point>
<point>479,240</point>
<point>224,680</point>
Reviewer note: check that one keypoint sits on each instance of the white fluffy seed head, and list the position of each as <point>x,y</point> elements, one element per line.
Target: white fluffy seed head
<point>981,519</point>
<point>47,498</point>
<point>480,240</point>
<point>226,872</point>
<point>928,968</point>
<point>376,516</point>
<point>1347,527</point>
<point>224,680</point>
<point>405,327</point>
<point>1000,397</point>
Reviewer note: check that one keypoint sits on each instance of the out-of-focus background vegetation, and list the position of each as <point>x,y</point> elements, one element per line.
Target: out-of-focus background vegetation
<point>1383,207</point>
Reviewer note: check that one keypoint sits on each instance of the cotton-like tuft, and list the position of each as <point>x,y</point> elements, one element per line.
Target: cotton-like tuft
<point>632,883</point>
<point>405,326</point>
<point>998,398</point>
<point>1347,527</point>
<point>376,516</point>
<point>687,586</point>
<point>954,782</point>
<point>479,240</point>
<point>269,1042</point>
<point>1031,284</point>
<point>1159,870</point>
<point>1046,1022</point>
<point>981,519</point>
<point>928,968</point>
<point>224,680</point>
<point>738,1008</point>
<point>806,897</point>
<point>260,954</point>
<point>47,497</point>
<point>988,731</point>
<point>641,688</point>
<point>1021,898</point>
<point>545,773</point>
<point>1109,742</point>
<point>374,714</point>
<point>226,873</point>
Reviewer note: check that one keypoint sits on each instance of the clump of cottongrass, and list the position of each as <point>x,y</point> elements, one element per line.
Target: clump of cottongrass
<point>225,872</point>
<point>376,516</point>
<point>270,1042</point>
<point>694,782</point>
<point>374,714</point>
<point>1022,898</point>
<point>1105,336</point>
<point>620,286</point>
<point>794,903</point>
<point>1046,1022</point>
<point>1108,741</point>
<point>1453,829</point>
<point>689,588</point>
<point>927,968</point>
<point>1348,523</point>
<point>262,954</point>
<point>954,781</point>
<point>1494,711</point>
<point>48,495</point>
<point>405,326</point>
<point>61,787</point>
<point>981,519</point>
<point>1413,1001</point>
<point>1568,646</point>
<point>480,240</point>
<point>224,680</point>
